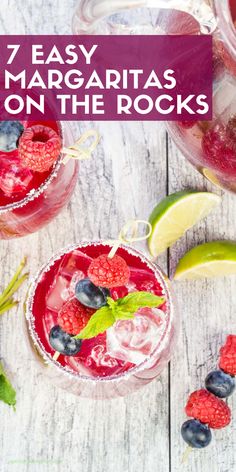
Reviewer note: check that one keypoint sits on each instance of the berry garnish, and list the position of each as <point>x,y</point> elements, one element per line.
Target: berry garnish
<point>91,296</point>
<point>120,309</point>
<point>73,316</point>
<point>219,146</point>
<point>105,271</point>
<point>10,132</point>
<point>205,407</point>
<point>220,384</point>
<point>39,147</point>
<point>64,343</point>
<point>196,434</point>
<point>228,356</point>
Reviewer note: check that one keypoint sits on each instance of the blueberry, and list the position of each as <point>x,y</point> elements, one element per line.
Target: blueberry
<point>196,434</point>
<point>64,343</point>
<point>91,296</point>
<point>10,132</point>
<point>220,384</point>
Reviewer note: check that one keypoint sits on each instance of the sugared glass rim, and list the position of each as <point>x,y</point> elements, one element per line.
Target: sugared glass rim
<point>30,319</point>
<point>34,193</point>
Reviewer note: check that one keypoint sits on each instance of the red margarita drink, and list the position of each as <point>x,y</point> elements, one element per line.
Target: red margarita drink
<point>34,183</point>
<point>103,326</point>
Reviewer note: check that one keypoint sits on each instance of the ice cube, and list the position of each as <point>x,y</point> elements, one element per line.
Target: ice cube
<point>73,268</point>
<point>142,280</point>
<point>14,179</point>
<point>58,293</point>
<point>94,360</point>
<point>135,339</point>
<point>224,103</point>
<point>74,261</point>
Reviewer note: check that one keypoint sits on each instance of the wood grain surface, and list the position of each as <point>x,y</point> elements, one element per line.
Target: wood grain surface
<point>134,166</point>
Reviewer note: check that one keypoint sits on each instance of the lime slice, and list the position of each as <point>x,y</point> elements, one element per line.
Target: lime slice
<point>176,214</point>
<point>214,259</point>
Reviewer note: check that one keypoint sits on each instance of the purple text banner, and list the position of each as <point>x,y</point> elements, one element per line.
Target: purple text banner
<point>106,78</point>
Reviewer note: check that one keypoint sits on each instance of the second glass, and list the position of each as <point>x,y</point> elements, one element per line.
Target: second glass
<point>20,216</point>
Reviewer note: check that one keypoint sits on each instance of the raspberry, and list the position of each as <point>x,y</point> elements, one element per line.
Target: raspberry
<point>73,317</point>
<point>205,407</point>
<point>109,272</point>
<point>39,147</point>
<point>228,356</point>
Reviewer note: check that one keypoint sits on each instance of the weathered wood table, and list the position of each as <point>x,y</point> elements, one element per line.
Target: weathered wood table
<point>134,166</point>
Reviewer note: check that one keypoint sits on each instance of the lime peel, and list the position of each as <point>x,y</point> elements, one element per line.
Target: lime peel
<point>177,213</point>
<point>212,259</point>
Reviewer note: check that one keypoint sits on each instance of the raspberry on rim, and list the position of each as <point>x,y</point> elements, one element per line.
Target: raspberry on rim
<point>105,271</point>
<point>39,147</point>
<point>73,316</point>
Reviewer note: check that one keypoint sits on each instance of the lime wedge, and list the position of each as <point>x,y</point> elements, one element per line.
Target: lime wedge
<point>176,214</point>
<point>214,259</point>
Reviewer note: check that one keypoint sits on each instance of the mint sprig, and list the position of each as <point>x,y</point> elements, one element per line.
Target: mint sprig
<point>121,309</point>
<point>7,392</point>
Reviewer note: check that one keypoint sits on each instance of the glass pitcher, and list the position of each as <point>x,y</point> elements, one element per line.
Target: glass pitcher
<point>141,16</point>
<point>209,146</point>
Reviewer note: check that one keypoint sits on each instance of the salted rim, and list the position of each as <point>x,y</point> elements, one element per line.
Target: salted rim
<point>34,193</point>
<point>163,342</point>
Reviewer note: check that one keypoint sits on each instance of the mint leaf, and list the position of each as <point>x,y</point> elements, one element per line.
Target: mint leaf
<point>124,315</point>
<point>121,309</point>
<point>101,320</point>
<point>7,392</point>
<point>135,300</point>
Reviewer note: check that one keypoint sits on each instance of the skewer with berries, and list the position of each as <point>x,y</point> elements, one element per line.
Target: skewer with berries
<point>206,407</point>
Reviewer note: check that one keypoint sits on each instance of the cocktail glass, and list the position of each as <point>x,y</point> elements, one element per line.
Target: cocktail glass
<point>128,355</point>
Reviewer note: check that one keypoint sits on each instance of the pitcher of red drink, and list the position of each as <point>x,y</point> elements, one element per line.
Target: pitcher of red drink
<point>209,146</point>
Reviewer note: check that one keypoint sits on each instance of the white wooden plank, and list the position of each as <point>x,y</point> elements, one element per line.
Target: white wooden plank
<point>53,430</point>
<point>207,310</point>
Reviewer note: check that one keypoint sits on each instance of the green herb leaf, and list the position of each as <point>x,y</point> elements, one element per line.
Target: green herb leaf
<point>135,300</point>
<point>7,392</point>
<point>101,320</point>
<point>124,315</point>
<point>121,309</point>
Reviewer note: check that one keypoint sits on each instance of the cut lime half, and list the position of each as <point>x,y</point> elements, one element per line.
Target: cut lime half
<point>174,215</point>
<point>214,259</point>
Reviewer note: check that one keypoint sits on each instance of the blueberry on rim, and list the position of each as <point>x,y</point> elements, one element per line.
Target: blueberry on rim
<point>10,133</point>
